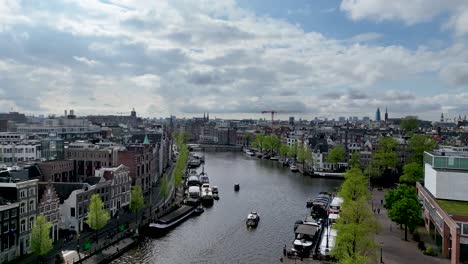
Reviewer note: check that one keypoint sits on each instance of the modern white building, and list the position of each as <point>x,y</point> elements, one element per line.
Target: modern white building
<point>13,152</point>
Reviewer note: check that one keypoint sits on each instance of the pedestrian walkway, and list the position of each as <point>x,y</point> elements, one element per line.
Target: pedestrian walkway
<point>394,249</point>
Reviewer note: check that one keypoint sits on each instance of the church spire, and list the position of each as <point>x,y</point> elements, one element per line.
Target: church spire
<point>146,141</point>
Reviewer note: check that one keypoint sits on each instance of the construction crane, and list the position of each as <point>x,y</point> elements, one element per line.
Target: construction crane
<point>272,112</point>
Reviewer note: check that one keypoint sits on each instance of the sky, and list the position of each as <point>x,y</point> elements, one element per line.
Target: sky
<point>234,59</point>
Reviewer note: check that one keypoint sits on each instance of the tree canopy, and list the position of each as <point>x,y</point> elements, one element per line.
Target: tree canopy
<point>417,144</point>
<point>409,124</point>
<point>137,201</point>
<point>403,207</point>
<point>97,215</point>
<point>165,185</point>
<point>336,154</point>
<point>355,161</point>
<point>355,187</point>
<point>284,149</point>
<point>41,243</point>
<point>292,152</point>
<point>412,173</point>
<point>384,158</point>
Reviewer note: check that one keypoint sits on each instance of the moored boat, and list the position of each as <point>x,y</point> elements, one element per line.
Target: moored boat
<point>306,237</point>
<point>215,192</point>
<point>274,158</point>
<point>293,168</point>
<point>172,219</point>
<point>236,187</point>
<point>206,194</point>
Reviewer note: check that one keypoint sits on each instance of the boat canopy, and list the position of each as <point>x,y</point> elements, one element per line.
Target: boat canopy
<point>193,178</point>
<point>306,229</point>
<point>194,189</point>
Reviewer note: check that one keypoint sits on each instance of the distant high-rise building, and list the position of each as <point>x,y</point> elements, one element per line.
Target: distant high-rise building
<point>355,118</point>
<point>366,119</point>
<point>342,119</point>
<point>377,115</point>
<point>386,115</point>
<point>442,117</point>
<point>291,120</point>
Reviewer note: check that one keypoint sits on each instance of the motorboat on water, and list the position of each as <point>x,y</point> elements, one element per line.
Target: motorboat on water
<point>236,187</point>
<point>215,192</point>
<point>204,179</point>
<point>252,219</point>
<point>193,163</point>
<point>194,192</point>
<point>199,210</point>
<point>275,158</point>
<point>320,206</point>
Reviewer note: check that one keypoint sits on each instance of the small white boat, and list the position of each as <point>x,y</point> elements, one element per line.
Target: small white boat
<point>293,168</point>
<point>275,158</point>
<point>206,193</point>
<point>252,219</point>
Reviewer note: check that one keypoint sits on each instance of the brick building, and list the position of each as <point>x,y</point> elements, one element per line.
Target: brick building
<point>141,162</point>
<point>58,171</point>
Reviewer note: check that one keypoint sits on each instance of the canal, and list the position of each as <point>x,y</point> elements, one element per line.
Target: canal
<point>219,235</point>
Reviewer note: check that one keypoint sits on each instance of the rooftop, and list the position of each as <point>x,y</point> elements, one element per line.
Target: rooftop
<point>454,207</point>
<point>451,160</point>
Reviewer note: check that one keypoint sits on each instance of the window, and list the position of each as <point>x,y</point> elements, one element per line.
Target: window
<point>465,229</point>
<point>31,191</point>
<point>72,212</point>
<point>31,223</point>
<point>22,193</point>
<point>23,226</point>
<point>31,205</point>
<point>22,208</point>
<point>13,225</point>
<point>6,215</point>
<point>13,213</point>
<point>5,227</point>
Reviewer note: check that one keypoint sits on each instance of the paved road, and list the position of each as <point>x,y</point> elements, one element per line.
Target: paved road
<point>391,238</point>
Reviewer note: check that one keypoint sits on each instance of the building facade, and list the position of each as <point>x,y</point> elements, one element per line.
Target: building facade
<point>49,206</point>
<point>9,230</point>
<point>120,187</point>
<point>12,153</point>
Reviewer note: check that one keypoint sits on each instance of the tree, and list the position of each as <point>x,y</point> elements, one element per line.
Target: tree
<point>336,154</point>
<point>308,158</point>
<point>97,215</point>
<point>354,242</point>
<point>412,173</point>
<point>292,152</point>
<point>355,161</point>
<point>284,149</point>
<point>385,157</point>
<point>403,207</point>
<point>267,143</point>
<point>137,201</point>
<point>41,243</point>
<point>409,124</point>
<point>258,142</point>
<point>181,165</point>
<point>417,144</point>
<point>301,154</point>
<point>355,186</point>
<point>275,142</point>
<point>165,185</point>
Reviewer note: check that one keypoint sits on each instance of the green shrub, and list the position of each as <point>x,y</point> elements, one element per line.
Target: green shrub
<point>421,246</point>
<point>429,251</point>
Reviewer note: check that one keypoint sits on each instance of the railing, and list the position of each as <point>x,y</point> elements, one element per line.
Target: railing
<point>446,162</point>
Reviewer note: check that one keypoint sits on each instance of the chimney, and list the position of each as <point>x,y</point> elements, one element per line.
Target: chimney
<point>72,112</point>
<point>65,112</point>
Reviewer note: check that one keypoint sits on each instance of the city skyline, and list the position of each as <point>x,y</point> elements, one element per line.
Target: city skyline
<point>235,58</point>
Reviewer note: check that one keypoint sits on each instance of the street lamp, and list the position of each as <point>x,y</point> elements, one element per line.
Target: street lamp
<point>381,252</point>
<point>78,248</point>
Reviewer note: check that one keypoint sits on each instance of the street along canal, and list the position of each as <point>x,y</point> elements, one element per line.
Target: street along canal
<point>220,235</point>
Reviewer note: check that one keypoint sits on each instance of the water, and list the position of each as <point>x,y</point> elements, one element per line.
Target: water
<point>219,235</point>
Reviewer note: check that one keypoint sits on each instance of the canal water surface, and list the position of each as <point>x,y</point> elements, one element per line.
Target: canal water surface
<point>219,235</point>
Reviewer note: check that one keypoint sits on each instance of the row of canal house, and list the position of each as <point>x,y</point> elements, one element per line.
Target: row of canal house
<point>61,191</point>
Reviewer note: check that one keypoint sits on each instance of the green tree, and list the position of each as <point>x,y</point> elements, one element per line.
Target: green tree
<point>275,143</point>
<point>409,124</point>
<point>267,143</point>
<point>165,185</point>
<point>308,158</point>
<point>403,207</point>
<point>355,186</point>
<point>97,215</point>
<point>41,243</point>
<point>417,144</point>
<point>284,149</point>
<point>258,142</point>
<point>385,157</point>
<point>301,153</point>
<point>137,201</point>
<point>336,154</point>
<point>181,165</point>
<point>355,161</point>
<point>355,230</point>
<point>412,173</point>
<point>292,152</point>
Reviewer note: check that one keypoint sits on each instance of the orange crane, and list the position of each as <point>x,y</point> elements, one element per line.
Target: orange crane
<point>272,112</point>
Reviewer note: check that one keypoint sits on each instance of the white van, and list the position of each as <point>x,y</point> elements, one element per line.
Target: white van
<point>335,205</point>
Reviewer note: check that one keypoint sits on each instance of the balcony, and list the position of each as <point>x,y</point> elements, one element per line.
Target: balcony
<point>450,161</point>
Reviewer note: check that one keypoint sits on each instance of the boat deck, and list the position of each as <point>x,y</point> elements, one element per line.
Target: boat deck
<point>175,214</point>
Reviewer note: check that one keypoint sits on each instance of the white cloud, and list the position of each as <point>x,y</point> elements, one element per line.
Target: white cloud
<point>86,61</point>
<point>182,57</point>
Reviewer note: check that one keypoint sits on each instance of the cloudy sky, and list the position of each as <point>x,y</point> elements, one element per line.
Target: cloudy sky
<point>307,58</point>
